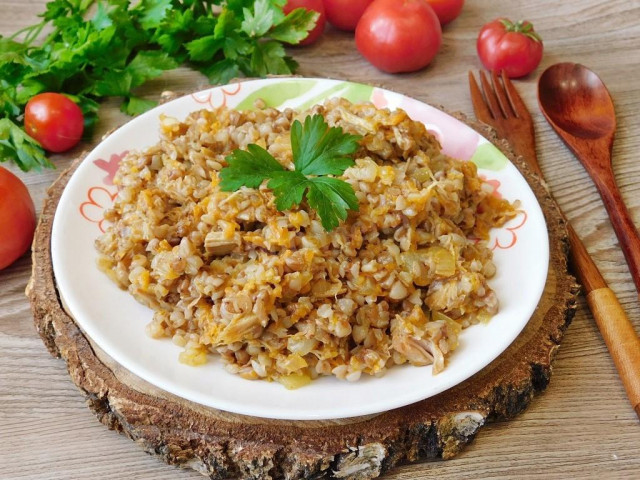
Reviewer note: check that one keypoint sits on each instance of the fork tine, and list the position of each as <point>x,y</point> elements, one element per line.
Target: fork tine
<point>507,108</point>
<point>519,108</point>
<point>491,98</point>
<point>479,106</point>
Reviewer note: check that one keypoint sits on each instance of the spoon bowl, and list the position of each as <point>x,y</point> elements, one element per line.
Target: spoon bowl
<point>578,106</point>
<point>577,101</point>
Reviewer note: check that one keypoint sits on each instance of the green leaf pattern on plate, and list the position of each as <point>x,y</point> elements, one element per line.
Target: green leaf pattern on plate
<point>276,94</point>
<point>354,92</point>
<point>488,156</point>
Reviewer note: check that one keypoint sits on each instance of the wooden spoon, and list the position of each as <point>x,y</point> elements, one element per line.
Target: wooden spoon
<point>579,108</point>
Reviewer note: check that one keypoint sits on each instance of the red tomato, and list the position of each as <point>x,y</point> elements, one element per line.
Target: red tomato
<point>315,5</point>
<point>17,218</point>
<point>344,14</point>
<point>446,10</point>
<point>399,35</point>
<point>54,120</point>
<point>513,47</point>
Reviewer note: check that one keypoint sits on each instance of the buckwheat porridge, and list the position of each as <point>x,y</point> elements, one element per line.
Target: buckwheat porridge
<point>272,293</point>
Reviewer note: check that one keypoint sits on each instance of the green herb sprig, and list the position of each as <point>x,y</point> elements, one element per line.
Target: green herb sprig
<point>318,151</point>
<point>109,48</point>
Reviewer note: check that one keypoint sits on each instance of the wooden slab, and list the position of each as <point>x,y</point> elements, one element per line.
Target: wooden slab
<point>222,445</point>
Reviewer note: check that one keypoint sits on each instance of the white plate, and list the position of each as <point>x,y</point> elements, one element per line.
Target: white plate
<point>116,322</point>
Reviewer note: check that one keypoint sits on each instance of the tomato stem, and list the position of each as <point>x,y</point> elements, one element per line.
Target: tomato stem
<point>521,26</point>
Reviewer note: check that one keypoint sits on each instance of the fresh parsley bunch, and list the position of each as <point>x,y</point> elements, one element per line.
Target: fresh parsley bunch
<point>108,48</point>
<point>318,151</point>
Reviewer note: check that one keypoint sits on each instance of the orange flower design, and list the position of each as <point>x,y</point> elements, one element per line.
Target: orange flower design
<point>506,237</point>
<point>507,240</point>
<point>494,183</point>
<point>207,99</point>
<point>98,200</point>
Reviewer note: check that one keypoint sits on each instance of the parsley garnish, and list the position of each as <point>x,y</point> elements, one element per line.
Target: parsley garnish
<point>109,48</point>
<point>318,151</point>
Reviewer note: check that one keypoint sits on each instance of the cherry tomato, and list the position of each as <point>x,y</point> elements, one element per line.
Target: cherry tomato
<point>513,47</point>
<point>446,10</point>
<point>17,218</point>
<point>344,14</point>
<point>399,35</point>
<point>54,120</point>
<point>315,5</point>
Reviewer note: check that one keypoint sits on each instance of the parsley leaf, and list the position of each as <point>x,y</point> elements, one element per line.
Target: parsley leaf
<point>19,147</point>
<point>204,48</point>
<point>295,27</point>
<point>250,168</point>
<point>269,57</point>
<point>136,106</point>
<point>101,19</point>
<point>259,21</point>
<point>154,12</point>
<point>318,151</point>
<point>149,64</point>
<point>289,188</point>
<point>331,198</point>
<point>221,72</point>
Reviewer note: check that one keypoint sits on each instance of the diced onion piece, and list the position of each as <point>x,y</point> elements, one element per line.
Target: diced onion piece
<point>484,317</point>
<point>413,264</point>
<point>295,380</point>
<point>424,263</point>
<point>453,328</point>
<point>292,363</point>
<point>444,260</point>
<point>301,345</point>
<point>323,289</point>
<point>440,316</point>
<point>423,175</point>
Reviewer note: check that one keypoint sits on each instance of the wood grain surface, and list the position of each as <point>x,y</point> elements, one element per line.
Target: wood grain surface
<point>581,427</point>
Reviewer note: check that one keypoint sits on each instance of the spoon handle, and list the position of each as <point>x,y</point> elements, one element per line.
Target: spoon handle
<point>612,321</point>
<point>622,223</point>
<point>620,338</point>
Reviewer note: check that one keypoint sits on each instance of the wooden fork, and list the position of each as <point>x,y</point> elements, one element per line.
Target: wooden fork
<point>500,106</point>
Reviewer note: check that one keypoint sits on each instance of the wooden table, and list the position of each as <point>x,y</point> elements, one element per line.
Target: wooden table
<point>582,426</point>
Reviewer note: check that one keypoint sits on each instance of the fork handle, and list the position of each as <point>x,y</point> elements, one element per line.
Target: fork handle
<point>620,338</point>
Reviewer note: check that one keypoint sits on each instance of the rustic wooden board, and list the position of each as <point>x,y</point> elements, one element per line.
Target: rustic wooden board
<point>224,445</point>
